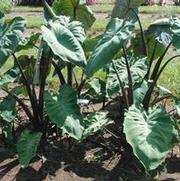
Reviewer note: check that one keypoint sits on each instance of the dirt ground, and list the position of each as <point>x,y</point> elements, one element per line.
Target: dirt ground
<point>85,162</point>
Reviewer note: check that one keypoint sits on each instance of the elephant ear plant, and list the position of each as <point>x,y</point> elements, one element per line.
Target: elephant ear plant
<point>148,126</point>
<point>25,84</point>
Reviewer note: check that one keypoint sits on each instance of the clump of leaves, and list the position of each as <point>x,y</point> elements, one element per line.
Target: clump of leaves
<point>25,83</point>
<point>131,74</point>
<point>126,72</point>
<point>5,6</point>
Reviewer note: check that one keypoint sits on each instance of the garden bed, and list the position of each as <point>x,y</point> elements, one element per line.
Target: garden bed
<point>130,126</point>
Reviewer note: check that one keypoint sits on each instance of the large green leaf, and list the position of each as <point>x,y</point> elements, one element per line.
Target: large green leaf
<point>76,10</point>
<point>75,27</point>
<point>151,42</point>
<point>27,146</point>
<point>64,111</point>
<point>64,44</point>
<point>160,29</point>
<point>166,30</point>
<point>10,36</point>
<point>159,26</point>
<point>151,134</point>
<point>90,43</point>
<point>8,109</point>
<point>115,37</point>
<point>123,8</point>
<point>94,122</point>
<point>158,34</point>
<point>138,70</point>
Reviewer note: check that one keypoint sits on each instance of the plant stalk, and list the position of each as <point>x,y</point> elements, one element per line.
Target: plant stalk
<point>130,82</point>
<point>151,61</point>
<point>31,96</point>
<point>147,97</point>
<point>159,61</point>
<point>69,73</point>
<point>121,85</point>
<point>141,30</point>
<point>59,73</point>
<point>44,63</point>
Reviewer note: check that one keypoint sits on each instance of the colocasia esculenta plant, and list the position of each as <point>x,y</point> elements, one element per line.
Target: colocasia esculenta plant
<point>131,69</point>
<point>59,47</point>
<point>132,62</point>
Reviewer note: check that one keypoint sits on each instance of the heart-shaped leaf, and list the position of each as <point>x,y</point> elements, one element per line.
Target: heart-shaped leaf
<point>151,134</point>
<point>75,27</point>
<point>175,28</point>
<point>115,37</point>
<point>64,111</point>
<point>64,44</point>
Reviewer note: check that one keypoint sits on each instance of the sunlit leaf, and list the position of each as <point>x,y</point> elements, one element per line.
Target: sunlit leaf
<point>115,37</point>
<point>95,122</point>
<point>151,134</point>
<point>64,44</point>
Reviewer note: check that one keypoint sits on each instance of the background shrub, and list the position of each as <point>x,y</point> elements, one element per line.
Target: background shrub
<point>5,6</point>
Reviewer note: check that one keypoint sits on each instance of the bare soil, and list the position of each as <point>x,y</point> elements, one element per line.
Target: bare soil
<point>85,162</point>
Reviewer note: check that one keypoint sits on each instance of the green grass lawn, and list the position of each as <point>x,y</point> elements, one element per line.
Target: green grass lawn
<point>172,10</point>
<point>170,77</point>
<point>34,22</point>
<point>26,9</point>
<point>105,1</point>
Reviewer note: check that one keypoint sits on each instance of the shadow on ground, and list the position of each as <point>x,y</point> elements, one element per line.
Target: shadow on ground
<point>85,162</point>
